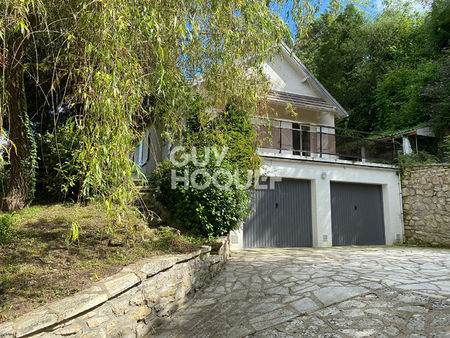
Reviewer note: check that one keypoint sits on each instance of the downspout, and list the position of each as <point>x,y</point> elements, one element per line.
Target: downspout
<point>403,239</point>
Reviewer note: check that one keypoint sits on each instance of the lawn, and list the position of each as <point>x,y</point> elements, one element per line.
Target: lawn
<point>39,263</point>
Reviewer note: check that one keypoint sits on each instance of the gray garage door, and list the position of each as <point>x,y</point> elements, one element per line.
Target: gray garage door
<point>281,217</point>
<point>357,214</point>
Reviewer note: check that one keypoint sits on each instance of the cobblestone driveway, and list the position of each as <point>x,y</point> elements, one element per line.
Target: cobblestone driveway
<point>336,292</point>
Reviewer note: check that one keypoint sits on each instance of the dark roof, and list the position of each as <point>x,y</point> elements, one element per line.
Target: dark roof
<point>299,100</point>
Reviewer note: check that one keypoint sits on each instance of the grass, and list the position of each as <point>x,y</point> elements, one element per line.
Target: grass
<point>38,262</point>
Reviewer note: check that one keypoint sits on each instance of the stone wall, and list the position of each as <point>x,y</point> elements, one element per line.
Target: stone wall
<point>426,204</point>
<point>129,304</point>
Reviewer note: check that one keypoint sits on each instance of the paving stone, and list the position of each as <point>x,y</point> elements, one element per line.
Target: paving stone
<point>417,322</point>
<point>304,305</point>
<point>441,320</point>
<point>294,326</point>
<point>351,304</point>
<point>239,331</point>
<point>272,318</point>
<point>418,286</point>
<point>311,331</point>
<point>353,313</point>
<point>359,332</point>
<point>376,312</point>
<point>368,322</point>
<point>269,333</point>
<point>329,311</point>
<point>264,307</point>
<point>330,295</point>
<point>354,292</point>
<point>279,290</point>
<point>412,308</point>
<point>391,331</point>
<point>338,322</point>
<point>412,298</point>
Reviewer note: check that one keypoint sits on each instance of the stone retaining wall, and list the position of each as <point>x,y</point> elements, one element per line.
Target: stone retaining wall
<point>426,204</point>
<point>129,304</point>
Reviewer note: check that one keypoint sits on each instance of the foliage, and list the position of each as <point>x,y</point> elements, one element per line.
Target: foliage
<point>437,28</point>
<point>4,178</point>
<point>116,65</point>
<point>6,227</point>
<point>419,157</point>
<point>436,98</point>
<point>445,149</point>
<point>59,176</point>
<point>30,164</point>
<point>37,266</point>
<point>209,212</point>
<point>398,95</point>
<point>232,129</point>
<point>376,67</point>
<point>170,240</point>
<point>335,52</point>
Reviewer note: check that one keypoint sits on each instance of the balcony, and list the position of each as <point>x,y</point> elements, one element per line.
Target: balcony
<point>298,140</point>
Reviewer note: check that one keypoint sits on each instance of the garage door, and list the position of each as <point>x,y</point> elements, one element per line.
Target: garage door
<point>281,217</point>
<point>357,214</point>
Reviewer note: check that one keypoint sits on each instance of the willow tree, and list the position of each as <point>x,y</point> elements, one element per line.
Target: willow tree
<point>18,21</point>
<point>130,61</point>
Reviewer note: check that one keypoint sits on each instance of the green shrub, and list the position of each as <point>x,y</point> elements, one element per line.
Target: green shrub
<point>445,149</point>
<point>6,227</point>
<point>209,212</point>
<point>59,176</point>
<point>4,177</point>
<point>421,157</point>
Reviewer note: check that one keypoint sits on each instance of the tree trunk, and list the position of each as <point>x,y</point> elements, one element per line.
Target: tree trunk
<point>20,152</point>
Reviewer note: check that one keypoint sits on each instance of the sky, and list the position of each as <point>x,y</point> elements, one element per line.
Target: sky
<point>373,7</point>
<point>419,6</point>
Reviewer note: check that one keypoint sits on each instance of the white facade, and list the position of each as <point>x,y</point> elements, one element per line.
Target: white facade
<point>320,174</point>
<point>287,74</point>
<point>284,75</point>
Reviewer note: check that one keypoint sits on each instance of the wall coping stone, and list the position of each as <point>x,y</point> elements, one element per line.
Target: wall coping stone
<point>49,315</point>
<point>428,165</point>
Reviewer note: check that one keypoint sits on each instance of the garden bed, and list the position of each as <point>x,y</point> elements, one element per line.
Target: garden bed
<point>39,263</point>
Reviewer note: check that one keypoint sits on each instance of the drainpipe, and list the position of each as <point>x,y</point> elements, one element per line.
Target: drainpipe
<point>401,207</point>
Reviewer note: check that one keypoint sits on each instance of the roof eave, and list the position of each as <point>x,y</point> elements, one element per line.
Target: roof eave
<point>340,111</point>
<point>307,106</point>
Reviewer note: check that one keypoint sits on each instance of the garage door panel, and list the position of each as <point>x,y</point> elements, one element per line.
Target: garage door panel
<point>282,216</point>
<point>357,214</point>
<point>260,202</point>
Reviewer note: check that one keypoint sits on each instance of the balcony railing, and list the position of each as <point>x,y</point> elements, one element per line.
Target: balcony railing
<point>312,140</point>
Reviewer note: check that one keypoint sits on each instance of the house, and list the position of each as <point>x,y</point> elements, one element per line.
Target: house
<point>333,187</point>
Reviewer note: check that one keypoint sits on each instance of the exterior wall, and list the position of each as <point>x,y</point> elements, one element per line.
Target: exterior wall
<point>284,75</point>
<point>321,174</point>
<point>277,110</point>
<point>131,303</point>
<point>426,203</point>
<point>149,158</point>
